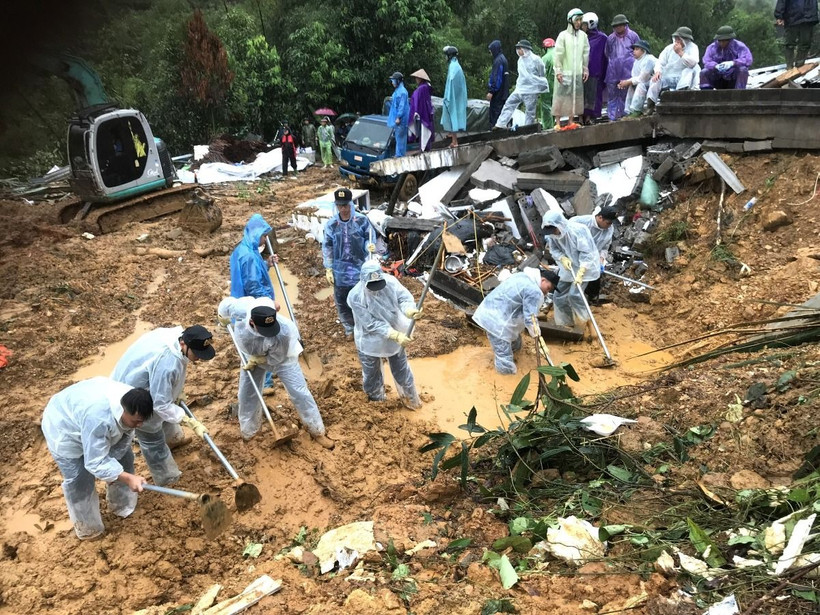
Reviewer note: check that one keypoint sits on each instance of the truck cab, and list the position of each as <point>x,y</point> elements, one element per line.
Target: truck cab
<point>370,139</point>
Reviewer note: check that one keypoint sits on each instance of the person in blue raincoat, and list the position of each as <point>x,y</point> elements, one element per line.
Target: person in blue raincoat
<point>572,247</point>
<point>509,309</point>
<point>399,113</point>
<point>454,110</point>
<point>249,271</point>
<point>348,239</point>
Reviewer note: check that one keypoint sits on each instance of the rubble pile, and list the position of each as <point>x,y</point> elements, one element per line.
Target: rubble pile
<point>232,150</point>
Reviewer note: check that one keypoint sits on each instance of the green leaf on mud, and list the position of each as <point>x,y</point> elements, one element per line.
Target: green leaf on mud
<point>402,571</point>
<point>809,595</point>
<point>619,473</point>
<point>508,575</point>
<point>459,545</point>
<point>521,390</point>
<point>610,530</point>
<point>252,549</point>
<point>519,525</point>
<point>519,544</point>
<point>704,545</point>
<point>491,607</point>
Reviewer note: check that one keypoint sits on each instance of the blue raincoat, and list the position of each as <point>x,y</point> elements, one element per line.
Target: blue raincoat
<point>454,111</point>
<point>399,110</point>
<point>345,247</point>
<point>249,271</point>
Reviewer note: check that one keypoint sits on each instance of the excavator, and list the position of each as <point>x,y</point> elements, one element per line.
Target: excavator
<point>118,170</point>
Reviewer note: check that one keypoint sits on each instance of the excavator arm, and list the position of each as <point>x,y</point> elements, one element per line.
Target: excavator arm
<point>84,82</point>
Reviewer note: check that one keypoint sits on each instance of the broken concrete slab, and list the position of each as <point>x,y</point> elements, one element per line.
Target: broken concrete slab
<point>757,146</point>
<point>433,192</point>
<point>393,224</point>
<point>560,181</point>
<point>446,158</point>
<point>508,162</point>
<point>583,202</point>
<point>493,174</point>
<point>620,179</point>
<point>544,201</point>
<point>577,160</point>
<point>663,170</point>
<point>724,171</point>
<point>687,150</point>
<point>549,157</point>
<point>614,156</point>
<point>465,174</point>
<point>711,145</point>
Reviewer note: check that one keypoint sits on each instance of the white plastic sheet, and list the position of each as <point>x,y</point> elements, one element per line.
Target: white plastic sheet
<point>217,172</point>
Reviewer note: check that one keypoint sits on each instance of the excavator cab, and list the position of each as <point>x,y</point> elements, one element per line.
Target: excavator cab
<point>114,155</point>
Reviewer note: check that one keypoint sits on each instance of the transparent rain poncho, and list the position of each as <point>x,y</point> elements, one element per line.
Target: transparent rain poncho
<point>281,358</point>
<point>155,362</point>
<point>84,433</point>
<point>570,58</point>
<point>601,236</point>
<point>574,241</point>
<point>509,307</point>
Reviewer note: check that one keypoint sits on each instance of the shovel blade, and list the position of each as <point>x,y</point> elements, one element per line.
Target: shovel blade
<point>285,436</point>
<point>246,497</point>
<point>215,516</point>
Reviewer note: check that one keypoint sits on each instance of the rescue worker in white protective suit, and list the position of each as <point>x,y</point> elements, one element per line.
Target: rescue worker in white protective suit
<point>531,82</point>
<point>158,361</point>
<point>509,309</point>
<point>270,343</point>
<point>571,63</point>
<point>677,67</point>
<point>601,228</point>
<point>89,428</point>
<point>572,247</point>
<point>382,310</point>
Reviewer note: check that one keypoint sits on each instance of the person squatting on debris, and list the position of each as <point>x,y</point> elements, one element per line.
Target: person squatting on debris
<point>677,67</point>
<point>326,138</point>
<point>382,309</point>
<point>89,427</point>
<point>642,70</point>
<point>508,310</point>
<point>571,68</point>
<point>498,85</point>
<point>531,82</point>
<point>601,228</point>
<point>620,60</point>
<point>594,85</point>
<point>572,247</point>
<point>158,362</point>
<point>545,100</point>
<point>726,62</point>
<point>270,342</point>
<point>399,113</point>
<point>422,127</point>
<point>347,242</point>
<point>799,18</point>
<point>288,142</point>
<point>454,104</point>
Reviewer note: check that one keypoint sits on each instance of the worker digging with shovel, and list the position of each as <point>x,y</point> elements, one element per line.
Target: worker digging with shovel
<point>271,343</point>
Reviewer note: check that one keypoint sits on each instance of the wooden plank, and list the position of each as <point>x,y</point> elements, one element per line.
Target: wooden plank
<point>398,223</point>
<point>459,293</point>
<point>466,173</point>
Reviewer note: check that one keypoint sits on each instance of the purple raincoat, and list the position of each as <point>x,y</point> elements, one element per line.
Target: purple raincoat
<point>736,77</point>
<point>594,87</point>
<point>619,53</point>
<point>421,103</point>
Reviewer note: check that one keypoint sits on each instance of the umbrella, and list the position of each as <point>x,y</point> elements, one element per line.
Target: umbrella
<point>325,111</point>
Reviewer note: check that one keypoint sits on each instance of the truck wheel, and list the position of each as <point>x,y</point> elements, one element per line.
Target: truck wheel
<point>409,189</point>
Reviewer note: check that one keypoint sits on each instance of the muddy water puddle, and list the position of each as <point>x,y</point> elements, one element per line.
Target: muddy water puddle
<point>103,363</point>
<point>291,284</point>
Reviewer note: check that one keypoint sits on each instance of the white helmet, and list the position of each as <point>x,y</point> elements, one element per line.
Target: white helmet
<point>573,14</point>
<point>591,20</point>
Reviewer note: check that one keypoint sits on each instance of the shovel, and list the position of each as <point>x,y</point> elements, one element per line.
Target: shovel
<point>541,345</point>
<point>607,360</point>
<point>246,495</point>
<point>278,438</point>
<point>216,518</point>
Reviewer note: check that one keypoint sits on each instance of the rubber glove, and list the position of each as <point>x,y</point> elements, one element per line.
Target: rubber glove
<point>725,67</point>
<point>566,262</point>
<point>183,398</point>
<point>400,338</point>
<point>371,247</point>
<point>413,313</point>
<point>329,276</point>
<point>255,360</point>
<point>579,277</point>
<point>223,321</point>
<point>198,428</point>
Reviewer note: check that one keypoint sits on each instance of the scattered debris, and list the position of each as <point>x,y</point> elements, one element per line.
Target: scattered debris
<point>575,541</point>
<point>344,545</point>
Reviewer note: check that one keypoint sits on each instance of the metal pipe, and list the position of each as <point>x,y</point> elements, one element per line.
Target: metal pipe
<point>212,444</point>
<point>429,278</point>
<point>174,492</point>
<point>591,317</point>
<point>626,279</point>
<point>282,286</point>
<point>243,361</point>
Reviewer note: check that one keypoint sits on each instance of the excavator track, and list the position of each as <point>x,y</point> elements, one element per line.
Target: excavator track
<point>101,218</point>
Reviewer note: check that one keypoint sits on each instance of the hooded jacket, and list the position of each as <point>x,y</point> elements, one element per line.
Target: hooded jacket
<point>509,307</point>
<point>249,271</point>
<point>531,74</point>
<point>345,247</point>
<point>499,84</point>
<point>575,242</point>
<point>796,12</point>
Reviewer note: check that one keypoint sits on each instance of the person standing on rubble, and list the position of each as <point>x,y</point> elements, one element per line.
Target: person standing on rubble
<point>158,362</point>
<point>545,99</point>
<point>498,85</point>
<point>454,105</point>
<point>677,67</point>
<point>572,248</point>
<point>326,137</point>
<point>270,343</point>
<point>422,126</point>
<point>620,60</point>
<point>571,69</point>
<point>799,18</point>
<point>594,85</point>
<point>531,82</point>
<point>399,113</point>
<point>508,309</point>
<point>726,62</point>
<point>382,310</point>
<point>345,247</point>
<point>89,428</point>
<point>636,86</point>
<point>601,228</point>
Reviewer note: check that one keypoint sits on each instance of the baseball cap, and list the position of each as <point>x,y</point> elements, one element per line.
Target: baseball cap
<point>198,339</point>
<point>343,196</point>
<point>264,319</point>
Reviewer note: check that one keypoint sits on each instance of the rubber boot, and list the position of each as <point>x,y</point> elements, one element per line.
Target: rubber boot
<point>324,441</point>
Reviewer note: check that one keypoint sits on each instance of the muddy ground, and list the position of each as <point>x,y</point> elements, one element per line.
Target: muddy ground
<point>69,306</point>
